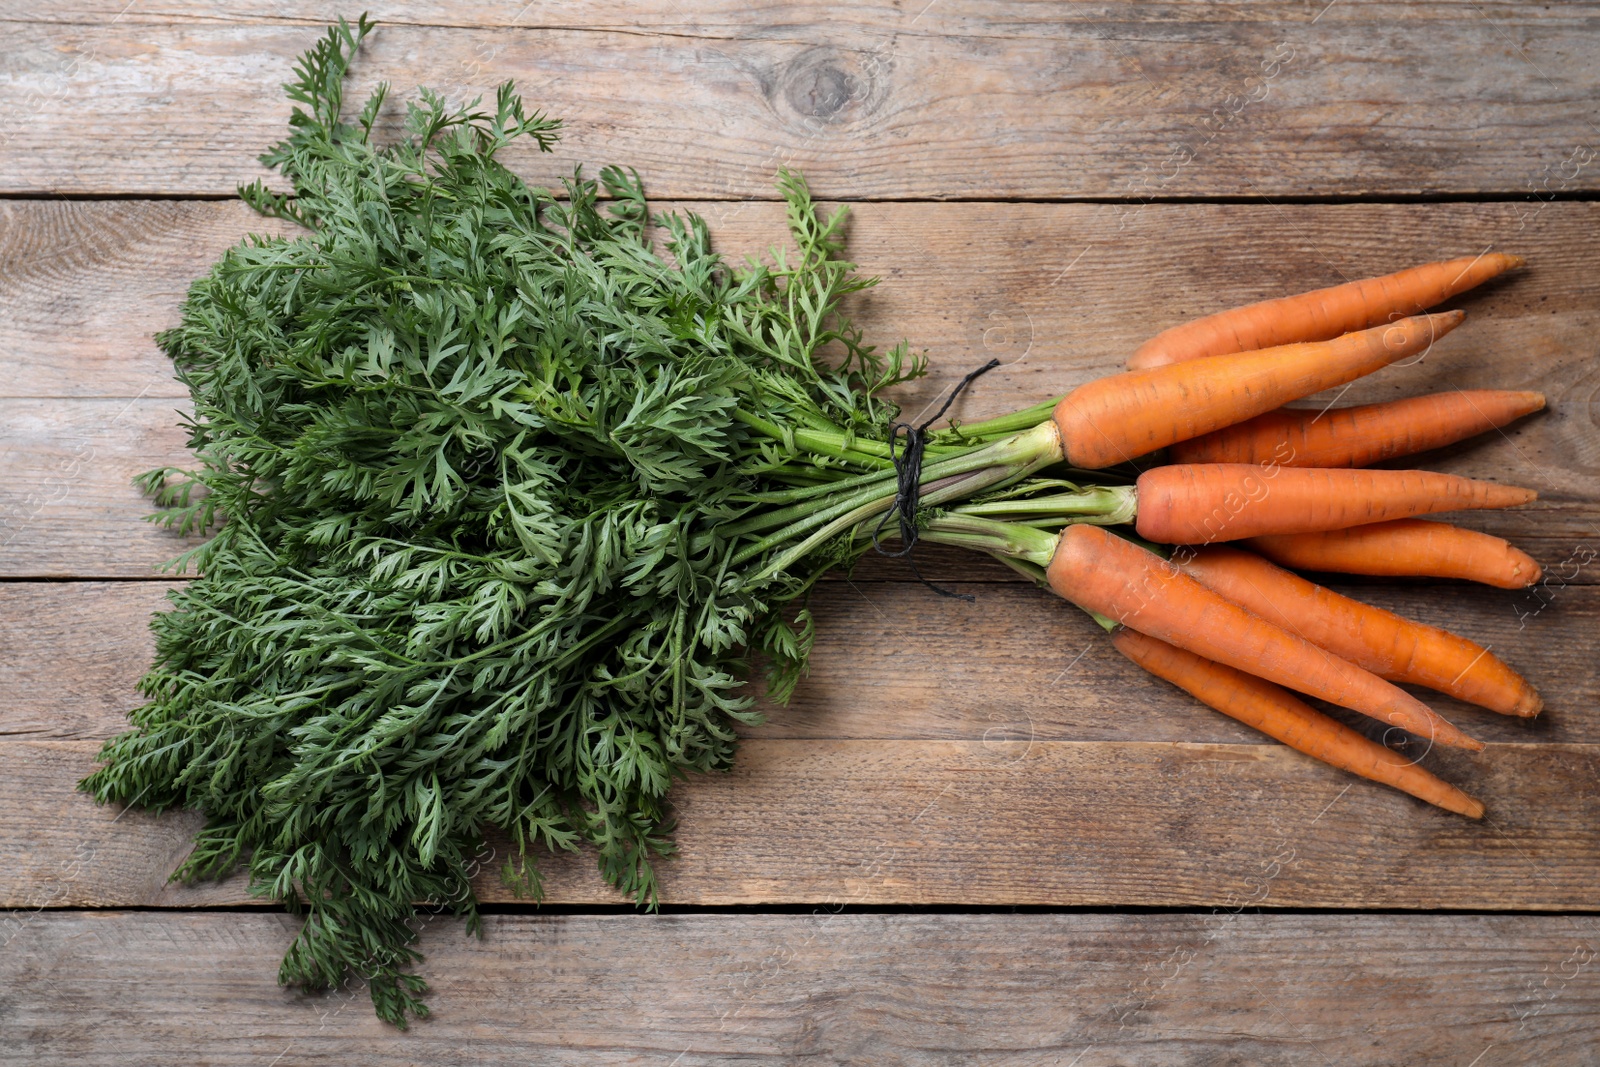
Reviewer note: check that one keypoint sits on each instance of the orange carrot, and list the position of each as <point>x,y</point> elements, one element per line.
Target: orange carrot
<point>1117,418</point>
<point>1359,436</point>
<point>1386,644</point>
<point>1103,573</point>
<point>1281,716</point>
<point>1405,547</point>
<point>1321,314</point>
<point>1198,503</point>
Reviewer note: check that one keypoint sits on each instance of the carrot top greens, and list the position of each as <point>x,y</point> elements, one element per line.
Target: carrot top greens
<point>499,499</point>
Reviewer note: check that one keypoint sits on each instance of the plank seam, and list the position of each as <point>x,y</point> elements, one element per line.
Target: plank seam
<point>558,911</point>
<point>1589,196</point>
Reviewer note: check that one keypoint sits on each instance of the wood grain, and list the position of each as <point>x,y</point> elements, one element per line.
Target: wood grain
<point>939,754</point>
<point>69,502</point>
<point>722,18</point>
<point>1055,291</point>
<point>85,286</point>
<point>892,661</point>
<point>971,823</point>
<point>1060,293</point>
<point>70,509</point>
<point>136,989</point>
<point>1034,101</point>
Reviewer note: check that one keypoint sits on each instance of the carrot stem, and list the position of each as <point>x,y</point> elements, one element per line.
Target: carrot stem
<point>1104,505</point>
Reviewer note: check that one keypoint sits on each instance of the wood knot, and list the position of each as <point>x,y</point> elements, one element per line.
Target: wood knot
<point>830,87</point>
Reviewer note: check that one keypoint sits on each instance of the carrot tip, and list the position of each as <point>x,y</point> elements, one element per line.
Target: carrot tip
<point>1528,705</point>
<point>1471,807</point>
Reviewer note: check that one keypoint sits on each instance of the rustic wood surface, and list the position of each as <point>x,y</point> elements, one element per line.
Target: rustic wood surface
<point>923,100</point>
<point>1092,990</point>
<point>940,755</point>
<point>1046,673</point>
<point>1060,293</point>
<point>1056,291</point>
<point>971,823</point>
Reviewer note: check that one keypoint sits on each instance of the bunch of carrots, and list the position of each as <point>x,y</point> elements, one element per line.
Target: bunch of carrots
<point>1228,623</point>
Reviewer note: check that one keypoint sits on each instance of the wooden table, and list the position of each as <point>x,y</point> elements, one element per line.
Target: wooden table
<point>977,836</point>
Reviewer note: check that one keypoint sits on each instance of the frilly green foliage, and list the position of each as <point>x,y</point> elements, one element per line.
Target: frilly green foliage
<point>467,451</point>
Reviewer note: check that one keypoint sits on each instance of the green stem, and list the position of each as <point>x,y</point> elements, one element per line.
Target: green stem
<point>1031,571</point>
<point>1101,505</point>
<point>1026,452</point>
<point>1037,574</point>
<point>1026,419</point>
<point>838,444</point>
<point>953,487</point>
<point>987,535</point>
<point>1109,625</point>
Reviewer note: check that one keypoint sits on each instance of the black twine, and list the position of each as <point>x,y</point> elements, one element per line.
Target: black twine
<point>907,460</point>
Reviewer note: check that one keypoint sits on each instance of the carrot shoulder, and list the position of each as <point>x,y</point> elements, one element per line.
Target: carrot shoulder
<point>1389,645</point>
<point>1322,313</point>
<point>1405,548</point>
<point>1122,416</point>
<point>1359,436</point>
<point>1103,573</point>
<point>1199,503</point>
<point>1281,716</point>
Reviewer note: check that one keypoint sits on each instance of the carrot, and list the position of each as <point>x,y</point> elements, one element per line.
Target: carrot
<point>1117,418</point>
<point>1103,573</point>
<point>1405,547</point>
<point>1281,716</point>
<point>1197,503</point>
<point>1322,313</point>
<point>1359,436</point>
<point>1386,644</point>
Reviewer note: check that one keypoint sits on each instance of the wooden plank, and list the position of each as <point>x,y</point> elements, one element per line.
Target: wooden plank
<point>86,285</point>
<point>130,989</point>
<point>1052,290</point>
<point>724,18</point>
<point>971,823</point>
<point>70,509</point>
<point>891,661</point>
<point>1055,102</point>
<point>1058,292</point>
<point>69,502</point>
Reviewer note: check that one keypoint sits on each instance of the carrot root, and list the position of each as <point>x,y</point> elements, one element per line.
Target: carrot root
<point>1389,645</point>
<point>1360,436</point>
<point>1405,548</point>
<point>1103,573</point>
<point>1322,313</point>
<point>1123,416</point>
<point>1199,503</point>
<point>1281,716</point>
